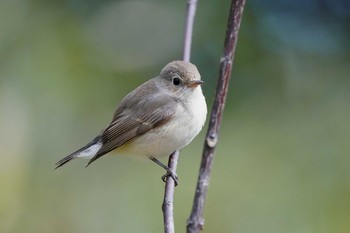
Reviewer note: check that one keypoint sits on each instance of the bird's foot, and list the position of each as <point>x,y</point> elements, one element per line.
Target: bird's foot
<point>172,175</point>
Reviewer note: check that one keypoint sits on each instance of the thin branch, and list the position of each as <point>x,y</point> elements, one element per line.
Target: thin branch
<point>196,221</point>
<point>191,12</point>
<point>168,202</point>
<point>168,206</point>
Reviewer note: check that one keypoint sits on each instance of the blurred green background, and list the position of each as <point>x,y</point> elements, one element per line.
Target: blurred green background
<point>282,162</point>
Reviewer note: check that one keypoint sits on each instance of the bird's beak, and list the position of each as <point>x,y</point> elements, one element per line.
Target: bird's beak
<point>194,83</point>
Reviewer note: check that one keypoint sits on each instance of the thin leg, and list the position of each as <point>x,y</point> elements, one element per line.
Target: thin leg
<point>169,172</point>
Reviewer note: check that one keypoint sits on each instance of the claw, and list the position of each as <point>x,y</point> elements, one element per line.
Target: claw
<point>168,173</point>
<point>172,175</point>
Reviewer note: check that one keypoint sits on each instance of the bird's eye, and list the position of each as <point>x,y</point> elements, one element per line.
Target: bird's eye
<point>176,81</point>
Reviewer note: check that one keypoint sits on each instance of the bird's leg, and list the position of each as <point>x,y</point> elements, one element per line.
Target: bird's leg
<point>169,172</point>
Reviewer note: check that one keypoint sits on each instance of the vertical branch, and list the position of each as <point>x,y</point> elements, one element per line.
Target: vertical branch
<point>168,202</point>
<point>191,12</point>
<point>168,207</point>
<point>196,221</point>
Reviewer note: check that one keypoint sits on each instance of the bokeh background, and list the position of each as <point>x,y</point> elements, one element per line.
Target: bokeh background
<point>283,159</point>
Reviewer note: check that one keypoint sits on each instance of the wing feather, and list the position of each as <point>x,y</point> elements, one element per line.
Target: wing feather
<point>134,120</point>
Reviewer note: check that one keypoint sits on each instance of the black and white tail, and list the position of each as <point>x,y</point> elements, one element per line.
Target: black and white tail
<point>88,152</point>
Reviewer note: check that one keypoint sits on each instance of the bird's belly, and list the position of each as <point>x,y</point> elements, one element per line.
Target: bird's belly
<point>164,140</point>
<point>174,135</point>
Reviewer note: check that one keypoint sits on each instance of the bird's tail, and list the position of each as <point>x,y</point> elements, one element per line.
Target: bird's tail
<point>87,151</point>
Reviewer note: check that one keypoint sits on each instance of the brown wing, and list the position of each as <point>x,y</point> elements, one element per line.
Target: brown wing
<point>132,120</point>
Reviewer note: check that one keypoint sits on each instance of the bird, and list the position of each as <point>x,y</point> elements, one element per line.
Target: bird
<point>161,116</point>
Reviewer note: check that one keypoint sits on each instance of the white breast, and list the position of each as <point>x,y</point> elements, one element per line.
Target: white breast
<point>177,133</point>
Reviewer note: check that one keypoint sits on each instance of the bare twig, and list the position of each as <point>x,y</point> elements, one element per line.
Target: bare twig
<point>191,12</point>
<point>196,221</point>
<point>168,207</point>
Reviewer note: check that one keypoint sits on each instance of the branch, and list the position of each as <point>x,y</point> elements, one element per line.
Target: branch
<point>168,207</point>
<point>191,12</point>
<point>196,221</point>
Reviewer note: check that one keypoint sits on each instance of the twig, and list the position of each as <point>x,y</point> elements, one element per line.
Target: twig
<point>196,221</point>
<point>168,207</point>
<point>191,12</point>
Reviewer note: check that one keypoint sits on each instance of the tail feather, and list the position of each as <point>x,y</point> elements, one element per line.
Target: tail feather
<point>77,153</point>
<point>65,160</point>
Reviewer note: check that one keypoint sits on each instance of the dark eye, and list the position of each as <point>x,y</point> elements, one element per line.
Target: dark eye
<point>176,81</point>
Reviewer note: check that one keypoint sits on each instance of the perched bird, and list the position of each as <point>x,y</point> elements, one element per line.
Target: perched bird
<point>159,117</point>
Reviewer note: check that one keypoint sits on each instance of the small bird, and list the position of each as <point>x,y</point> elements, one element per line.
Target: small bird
<point>157,118</point>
